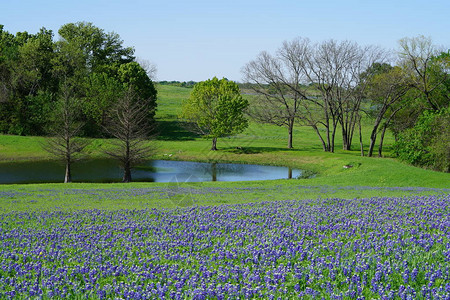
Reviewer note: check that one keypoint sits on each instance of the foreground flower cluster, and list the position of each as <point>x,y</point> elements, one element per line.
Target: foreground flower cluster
<point>382,248</point>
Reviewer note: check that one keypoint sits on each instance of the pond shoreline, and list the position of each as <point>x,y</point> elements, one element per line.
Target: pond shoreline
<point>108,171</point>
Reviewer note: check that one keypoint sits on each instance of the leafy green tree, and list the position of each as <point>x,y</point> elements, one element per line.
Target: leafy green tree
<point>69,61</point>
<point>101,92</point>
<point>132,75</point>
<point>31,83</point>
<point>216,109</point>
<point>33,71</point>
<point>94,62</point>
<point>8,50</point>
<point>8,54</point>
<point>99,49</point>
<point>440,78</point>
<point>102,69</point>
<point>421,128</point>
<point>441,140</point>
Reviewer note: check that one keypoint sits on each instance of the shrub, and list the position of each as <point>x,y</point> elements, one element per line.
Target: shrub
<point>426,144</point>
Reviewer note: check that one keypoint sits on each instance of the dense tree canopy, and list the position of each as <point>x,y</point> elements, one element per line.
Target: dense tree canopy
<point>133,76</point>
<point>99,49</point>
<point>422,130</point>
<point>95,63</point>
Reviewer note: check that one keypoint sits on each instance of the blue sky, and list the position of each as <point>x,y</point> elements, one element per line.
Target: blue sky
<point>196,40</point>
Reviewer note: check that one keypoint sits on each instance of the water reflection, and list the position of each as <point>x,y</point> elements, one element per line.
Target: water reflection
<point>103,170</point>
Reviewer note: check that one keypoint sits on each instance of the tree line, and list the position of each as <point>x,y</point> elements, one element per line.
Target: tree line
<point>85,84</point>
<point>34,68</point>
<point>185,84</point>
<point>330,86</point>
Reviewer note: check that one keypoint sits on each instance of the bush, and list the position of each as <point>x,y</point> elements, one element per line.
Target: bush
<point>427,143</point>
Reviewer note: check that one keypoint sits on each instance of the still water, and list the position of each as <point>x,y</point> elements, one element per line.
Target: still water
<point>104,170</point>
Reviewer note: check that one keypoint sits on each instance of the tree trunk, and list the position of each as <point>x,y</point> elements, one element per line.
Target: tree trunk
<point>290,129</point>
<point>68,176</point>
<point>344,132</point>
<point>333,135</point>
<point>335,121</point>
<point>214,144</point>
<point>360,138</point>
<point>329,142</point>
<point>345,145</point>
<point>327,126</point>
<point>373,135</point>
<point>380,148</point>
<point>127,164</point>
<point>127,172</point>
<point>373,139</point>
<point>352,131</point>
<point>385,126</point>
<point>347,136</point>
<point>324,145</point>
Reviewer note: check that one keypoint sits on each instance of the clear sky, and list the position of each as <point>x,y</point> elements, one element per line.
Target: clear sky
<point>196,40</point>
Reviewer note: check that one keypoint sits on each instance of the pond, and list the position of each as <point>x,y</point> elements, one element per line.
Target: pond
<point>104,170</point>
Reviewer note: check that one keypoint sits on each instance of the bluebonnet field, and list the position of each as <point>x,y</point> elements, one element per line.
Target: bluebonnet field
<point>382,248</point>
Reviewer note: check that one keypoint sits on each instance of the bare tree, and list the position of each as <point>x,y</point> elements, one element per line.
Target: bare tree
<point>335,69</point>
<point>277,82</point>
<point>65,144</point>
<point>323,67</point>
<point>416,56</point>
<point>150,68</point>
<point>319,84</point>
<point>385,89</point>
<point>128,124</point>
<point>350,110</point>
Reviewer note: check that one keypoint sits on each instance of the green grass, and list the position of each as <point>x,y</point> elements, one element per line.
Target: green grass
<point>139,195</point>
<point>259,144</point>
<point>21,148</point>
